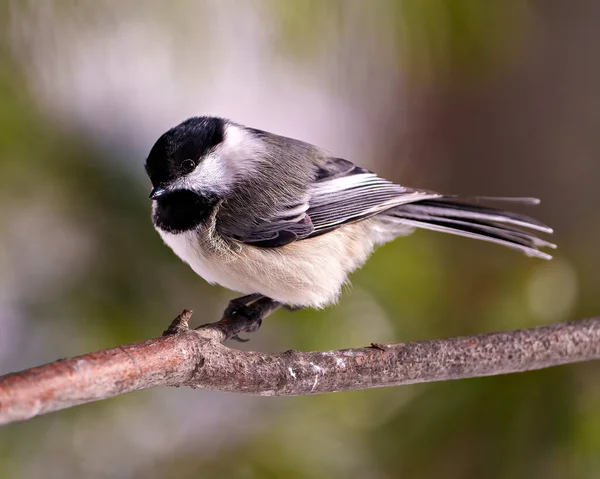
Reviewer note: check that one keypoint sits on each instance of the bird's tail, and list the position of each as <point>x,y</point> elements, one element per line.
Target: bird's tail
<point>465,217</point>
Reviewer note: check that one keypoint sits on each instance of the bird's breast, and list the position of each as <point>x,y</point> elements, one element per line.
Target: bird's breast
<point>199,249</point>
<point>304,273</point>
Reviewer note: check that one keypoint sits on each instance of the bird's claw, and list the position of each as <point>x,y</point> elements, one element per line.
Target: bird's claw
<point>235,337</point>
<point>252,315</point>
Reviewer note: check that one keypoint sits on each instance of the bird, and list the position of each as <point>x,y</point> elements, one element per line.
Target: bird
<point>284,222</point>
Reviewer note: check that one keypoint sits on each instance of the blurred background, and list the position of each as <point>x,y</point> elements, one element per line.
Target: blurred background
<point>460,96</point>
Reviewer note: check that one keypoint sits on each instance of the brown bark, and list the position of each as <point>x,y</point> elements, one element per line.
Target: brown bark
<point>197,358</point>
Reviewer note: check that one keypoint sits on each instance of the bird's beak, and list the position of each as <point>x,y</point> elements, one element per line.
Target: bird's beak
<point>156,192</point>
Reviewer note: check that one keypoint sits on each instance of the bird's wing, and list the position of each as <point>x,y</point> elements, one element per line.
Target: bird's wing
<point>355,194</point>
<point>341,193</point>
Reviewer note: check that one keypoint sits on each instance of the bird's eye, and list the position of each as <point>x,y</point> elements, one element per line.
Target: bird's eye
<point>188,165</point>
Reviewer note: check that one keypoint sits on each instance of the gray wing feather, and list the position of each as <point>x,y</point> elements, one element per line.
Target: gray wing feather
<point>340,193</point>
<point>334,192</point>
<point>355,197</point>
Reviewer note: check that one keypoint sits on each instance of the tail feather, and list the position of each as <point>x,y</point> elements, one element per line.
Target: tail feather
<point>450,215</point>
<point>456,209</point>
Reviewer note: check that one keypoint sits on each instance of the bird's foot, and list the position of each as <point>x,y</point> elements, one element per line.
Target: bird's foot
<point>248,313</point>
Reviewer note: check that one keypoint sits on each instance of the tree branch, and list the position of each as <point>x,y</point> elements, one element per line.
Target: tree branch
<point>197,358</point>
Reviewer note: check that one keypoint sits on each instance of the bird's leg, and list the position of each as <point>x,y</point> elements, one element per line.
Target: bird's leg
<point>244,300</point>
<point>252,308</point>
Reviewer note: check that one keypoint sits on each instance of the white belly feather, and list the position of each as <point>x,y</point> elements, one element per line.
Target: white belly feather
<point>186,246</point>
<point>305,273</point>
<point>310,272</point>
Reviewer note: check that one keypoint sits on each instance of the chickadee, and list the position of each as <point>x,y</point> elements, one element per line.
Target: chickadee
<point>285,223</point>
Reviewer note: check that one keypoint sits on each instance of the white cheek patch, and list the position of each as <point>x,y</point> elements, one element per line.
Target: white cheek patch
<point>235,137</point>
<point>238,156</point>
<point>241,152</point>
<point>210,175</point>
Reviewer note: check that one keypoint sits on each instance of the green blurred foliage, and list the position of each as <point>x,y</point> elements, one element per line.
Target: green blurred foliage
<point>437,39</point>
<point>463,37</point>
